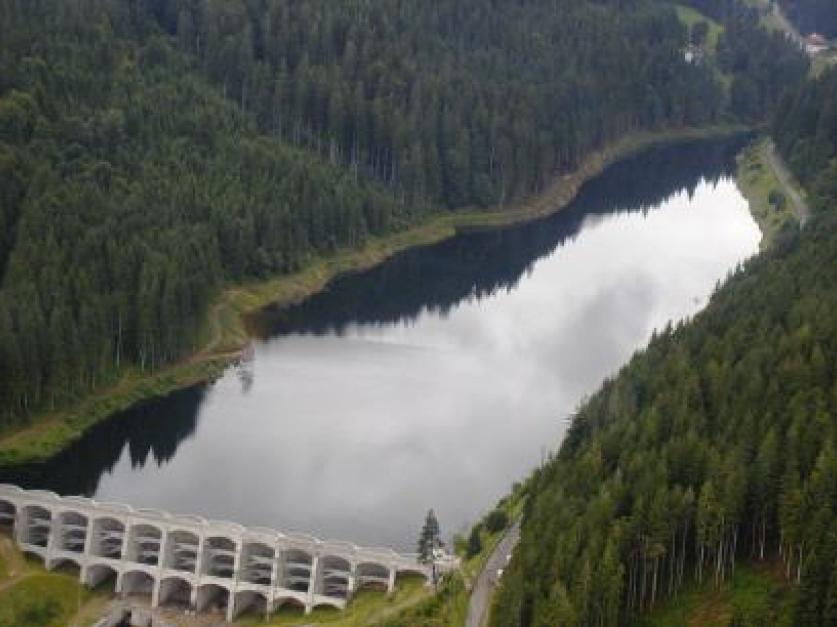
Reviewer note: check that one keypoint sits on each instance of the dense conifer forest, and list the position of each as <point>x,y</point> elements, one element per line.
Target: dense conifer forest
<point>762,65</point>
<point>152,151</point>
<point>715,445</point>
<point>805,128</point>
<point>155,151</point>
<point>130,190</point>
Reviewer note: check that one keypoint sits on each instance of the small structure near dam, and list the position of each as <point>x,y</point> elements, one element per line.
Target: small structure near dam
<point>194,563</point>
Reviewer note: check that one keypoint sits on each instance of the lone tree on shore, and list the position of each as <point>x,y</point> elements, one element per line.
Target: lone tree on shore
<point>429,540</point>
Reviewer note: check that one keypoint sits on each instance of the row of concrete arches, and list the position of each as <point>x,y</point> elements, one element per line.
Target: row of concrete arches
<point>179,566</point>
<point>185,551</point>
<point>178,593</point>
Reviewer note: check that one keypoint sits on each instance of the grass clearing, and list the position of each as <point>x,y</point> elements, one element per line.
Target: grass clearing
<point>447,608</point>
<point>770,19</point>
<point>41,600</point>
<point>12,562</point>
<point>769,205</point>
<point>754,596</point>
<point>689,17</point>
<point>30,596</point>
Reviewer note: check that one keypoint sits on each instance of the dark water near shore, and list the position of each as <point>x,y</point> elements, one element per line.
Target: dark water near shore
<point>436,379</point>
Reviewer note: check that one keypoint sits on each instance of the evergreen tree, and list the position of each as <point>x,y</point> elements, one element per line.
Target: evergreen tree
<point>474,545</point>
<point>430,538</point>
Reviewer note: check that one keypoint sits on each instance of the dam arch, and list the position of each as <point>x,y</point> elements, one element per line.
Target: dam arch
<point>192,563</point>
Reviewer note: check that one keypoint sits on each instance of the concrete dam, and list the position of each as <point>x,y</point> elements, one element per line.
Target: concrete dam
<point>194,563</point>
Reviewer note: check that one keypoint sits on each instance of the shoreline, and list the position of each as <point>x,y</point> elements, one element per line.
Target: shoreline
<point>759,185</point>
<point>225,334</point>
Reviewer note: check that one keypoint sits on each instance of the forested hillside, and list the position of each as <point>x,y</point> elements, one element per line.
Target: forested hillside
<point>715,445</point>
<point>812,16</point>
<point>762,66</point>
<point>805,129</point>
<point>130,191</point>
<point>458,101</point>
<point>151,152</point>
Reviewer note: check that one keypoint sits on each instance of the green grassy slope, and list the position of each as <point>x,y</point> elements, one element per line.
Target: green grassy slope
<point>755,595</point>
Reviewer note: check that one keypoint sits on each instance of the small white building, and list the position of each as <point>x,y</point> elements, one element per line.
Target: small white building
<point>693,55</point>
<point>815,44</point>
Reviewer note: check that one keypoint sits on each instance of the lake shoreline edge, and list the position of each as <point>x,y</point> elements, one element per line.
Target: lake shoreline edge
<point>226,335</point>
<point>757,182</point>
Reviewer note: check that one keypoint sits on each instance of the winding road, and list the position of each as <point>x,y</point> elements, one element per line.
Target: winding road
<point>785,178</point>
<point>487,580</point>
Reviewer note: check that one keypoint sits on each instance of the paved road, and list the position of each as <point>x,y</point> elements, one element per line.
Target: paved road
<point>481,594</point>
<point>800,207</point>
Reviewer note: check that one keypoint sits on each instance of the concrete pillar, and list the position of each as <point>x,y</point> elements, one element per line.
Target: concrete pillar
<point>158,580</point>
<point>126,532</point>
<point>193,600</point>
<point>231,605</point>
<point>350,585</point>
<point>88,537</point>
<point>17,525</point>
<point>52,538</point>
<point>274,580</point>
<point>239,548</point>
<point>155,592</point>
<point>391,581</point>
<point>313,581</point>
<point>15,517</point>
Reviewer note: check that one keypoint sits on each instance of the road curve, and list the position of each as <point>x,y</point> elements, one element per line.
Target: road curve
<point>481,594</point>
<point>800,207</point>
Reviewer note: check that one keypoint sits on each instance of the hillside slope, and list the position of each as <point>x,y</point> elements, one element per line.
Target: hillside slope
<point>151,152</point>
<point>717,445</point>
<point>805,128</point>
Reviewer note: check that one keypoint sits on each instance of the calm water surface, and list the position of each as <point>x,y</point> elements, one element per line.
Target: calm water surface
<point>435,380</point>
